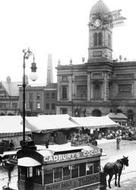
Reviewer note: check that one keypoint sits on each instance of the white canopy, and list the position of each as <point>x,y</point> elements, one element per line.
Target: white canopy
<point>54,122</point>
<point>11,124</point>
<point>95,122</point>
<point>50,122</point>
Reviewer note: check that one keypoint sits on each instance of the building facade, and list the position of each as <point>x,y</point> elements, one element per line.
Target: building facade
<point>101,85</point>
<point>39,99</point>
<point>9,97</point>
<point>34,100</point>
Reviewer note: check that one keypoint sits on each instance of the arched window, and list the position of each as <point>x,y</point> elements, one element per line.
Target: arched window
<point>64,92</point>
<point>95,39</point>
<point>97,90</point>
<point>100,39</point>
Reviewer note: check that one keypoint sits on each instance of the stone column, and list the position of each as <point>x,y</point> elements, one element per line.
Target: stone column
<point>91,87</point>
<point>58,89</point>
<point>88,87</point>
<point>105,88</point>
<point>134,86</point>
<point>70,88</point>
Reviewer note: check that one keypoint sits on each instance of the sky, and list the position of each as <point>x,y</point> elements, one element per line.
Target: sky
<point>57,27</point>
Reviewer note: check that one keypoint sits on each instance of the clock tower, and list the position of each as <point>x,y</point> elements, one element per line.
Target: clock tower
<point>100,34</point>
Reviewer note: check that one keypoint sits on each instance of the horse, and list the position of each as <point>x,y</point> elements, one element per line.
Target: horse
<point>115,168</point>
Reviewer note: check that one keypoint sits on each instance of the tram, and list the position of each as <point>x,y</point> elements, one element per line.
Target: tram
<point>59,167</point>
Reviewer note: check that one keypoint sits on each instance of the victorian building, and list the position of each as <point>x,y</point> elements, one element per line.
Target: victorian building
<point>9,97</point>
<point>101,85</point>
<point>40,99</point>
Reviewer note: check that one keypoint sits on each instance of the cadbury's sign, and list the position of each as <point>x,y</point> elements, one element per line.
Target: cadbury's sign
<point>72,156</point>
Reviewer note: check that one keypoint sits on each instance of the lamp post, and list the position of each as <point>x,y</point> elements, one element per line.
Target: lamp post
<point>26,54</point>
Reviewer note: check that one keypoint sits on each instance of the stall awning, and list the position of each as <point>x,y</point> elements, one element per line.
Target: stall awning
<point>50,122</point>
<point>28,162</point>
<point>55,122</point>
<point>10,125</point>
<point>93,122</point>
<point>118,116</point>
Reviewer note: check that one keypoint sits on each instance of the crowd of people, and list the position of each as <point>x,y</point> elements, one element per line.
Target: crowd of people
<point>124,133</point>
<point>83,136</point>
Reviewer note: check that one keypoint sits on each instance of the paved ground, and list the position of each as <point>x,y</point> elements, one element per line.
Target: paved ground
<point>128,182</point>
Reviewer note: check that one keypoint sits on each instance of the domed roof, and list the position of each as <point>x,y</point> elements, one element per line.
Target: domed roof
<point>99,8</point>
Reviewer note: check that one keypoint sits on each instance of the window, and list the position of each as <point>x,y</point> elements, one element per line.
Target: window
<point>38,105</point>
<point>38,97</point>
<point>100,39</point>
<point>2,93</point>
<point>63,110</point>
<point>37,172</point>
<point>96,167</point>
<point>82,169</point>
<point>97,90</point>
<point>57,174</point>
<point>48,177</point>
<point>81,91</point>
<point>30,96</point>
<point>31,105</point>
<point>3,105</point>
<point>95,39</point>
<point>53,95</point>
<point>14,105</point>
<point>29,172</point>
<point>74,169</point>
<point>47,106</point>
<point>66,172</point>
<point>47,95</point>
<point>64,92</point>
<point>53,106</point>
<point>125,89</point>
<point>89,168</point>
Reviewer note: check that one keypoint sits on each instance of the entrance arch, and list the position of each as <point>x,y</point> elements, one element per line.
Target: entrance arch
<point>96,112</point>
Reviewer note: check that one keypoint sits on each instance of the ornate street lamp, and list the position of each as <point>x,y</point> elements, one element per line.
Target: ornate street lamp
<point>26,54</point>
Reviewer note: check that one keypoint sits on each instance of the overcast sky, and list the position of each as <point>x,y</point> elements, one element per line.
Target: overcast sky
<point>59,27</point>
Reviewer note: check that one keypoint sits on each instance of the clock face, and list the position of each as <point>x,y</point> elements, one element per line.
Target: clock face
<point>97,22</point>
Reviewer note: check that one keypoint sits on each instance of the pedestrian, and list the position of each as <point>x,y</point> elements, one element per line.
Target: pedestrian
<point>11,144</point>
<point>118,139</point>
<point>47,143</point>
